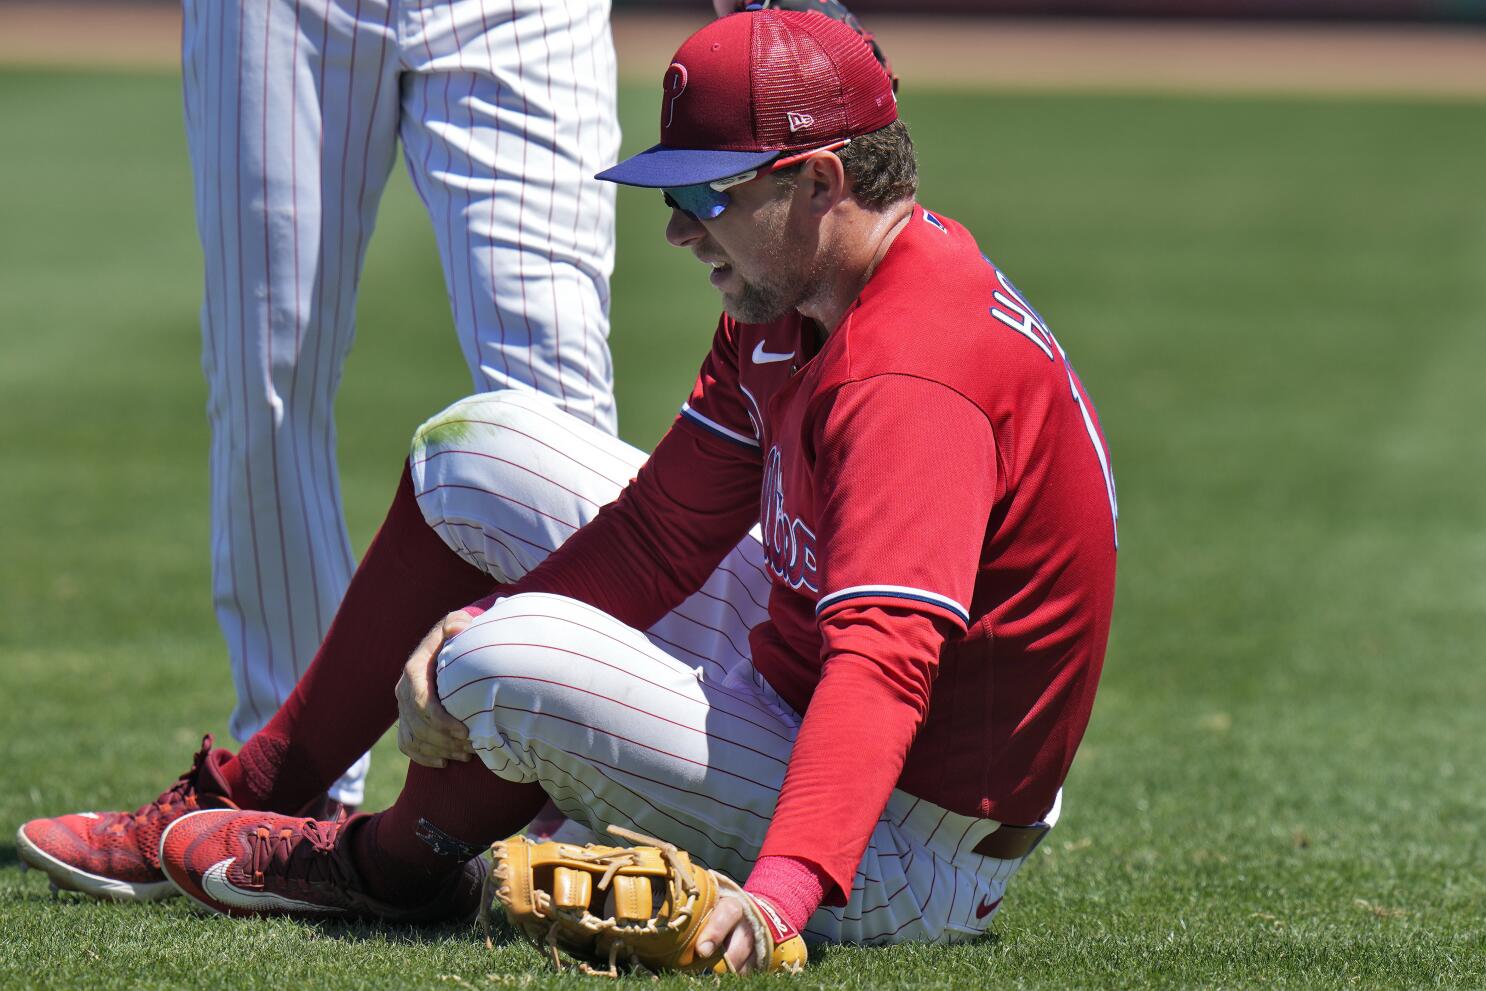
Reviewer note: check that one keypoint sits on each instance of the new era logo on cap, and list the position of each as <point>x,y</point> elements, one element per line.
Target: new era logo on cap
<point>747,88</point>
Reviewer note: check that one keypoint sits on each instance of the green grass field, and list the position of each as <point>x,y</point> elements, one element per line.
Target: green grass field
<point>1277,304</point>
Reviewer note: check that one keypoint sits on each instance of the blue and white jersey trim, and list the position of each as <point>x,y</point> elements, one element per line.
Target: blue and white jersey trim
<point>893,592</point>
<point>718,428</point>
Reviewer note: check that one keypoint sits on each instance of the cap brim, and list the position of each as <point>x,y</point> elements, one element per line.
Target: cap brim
<point>661,166</point>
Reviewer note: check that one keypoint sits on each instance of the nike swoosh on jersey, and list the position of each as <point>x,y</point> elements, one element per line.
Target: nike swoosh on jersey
<point>762,357</point>
<point>214,882</point>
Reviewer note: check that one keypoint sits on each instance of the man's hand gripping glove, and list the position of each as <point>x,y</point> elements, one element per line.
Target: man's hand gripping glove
<point>641,906</point>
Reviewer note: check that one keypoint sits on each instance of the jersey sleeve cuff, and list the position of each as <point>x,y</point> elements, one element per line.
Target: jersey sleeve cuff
<point>899,596</point>
<point>718,430</point>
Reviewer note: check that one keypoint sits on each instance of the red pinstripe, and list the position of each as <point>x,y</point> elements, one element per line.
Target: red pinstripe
<point>734,610</point>
<point>470,526</point>
<point>519,467</point>
<point>521,195</point>
<point>686,650</point>
<point>904,820</point>
<point>318,292</point>
<point>469,242</point>
<point>242,363</point>
<point>639,799</point>
<point>711,799</point>
<point>927,900</point>
<point>542,714</point>
<point>273,432</point>
<point>355,255</point>
<point>968,826</point>
<point>748,591</point>
<point>954,896</point>
<point>474,320</point>
<point>503,497</point>
<point>718,689</point>
<point>742,654</point>
<point>623,705</point>
<point>500,319</point>
<point>558,424</point>
<point>223,466</point>
<point>582,186</point>
<point>618,483</point>
<point>928,839</point>
<point>309,541</point>
<point>551,209</point>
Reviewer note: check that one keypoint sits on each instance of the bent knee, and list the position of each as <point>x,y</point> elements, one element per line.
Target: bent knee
<point>479,423</point>
<point>505,477</point>
<point>530,650</point>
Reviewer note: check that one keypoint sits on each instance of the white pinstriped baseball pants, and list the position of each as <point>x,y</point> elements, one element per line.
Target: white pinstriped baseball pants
<point>671,732</point>
<point>294,108</point>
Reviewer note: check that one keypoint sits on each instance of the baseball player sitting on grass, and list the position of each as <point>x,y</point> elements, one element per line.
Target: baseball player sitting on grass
<point>873,560</point>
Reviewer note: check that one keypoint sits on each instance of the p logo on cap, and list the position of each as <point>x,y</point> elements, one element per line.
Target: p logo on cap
<point>758,86</point>
<point>674,85</point>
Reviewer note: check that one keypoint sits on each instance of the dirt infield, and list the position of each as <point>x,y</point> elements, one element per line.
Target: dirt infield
<point>1010,54</point>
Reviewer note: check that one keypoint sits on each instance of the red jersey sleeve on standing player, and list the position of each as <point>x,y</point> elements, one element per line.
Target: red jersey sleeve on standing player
<point>905,479</point>
<point>688,505</point>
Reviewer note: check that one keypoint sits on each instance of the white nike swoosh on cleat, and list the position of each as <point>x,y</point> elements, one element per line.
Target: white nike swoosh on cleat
<point>762,357</point>
<point>214,882</point>
<point>90,815</point>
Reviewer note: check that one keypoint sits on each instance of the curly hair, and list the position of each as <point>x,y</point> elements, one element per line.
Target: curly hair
<point>881,166</point>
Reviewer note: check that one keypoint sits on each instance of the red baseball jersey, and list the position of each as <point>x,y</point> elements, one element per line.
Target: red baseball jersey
<point>938,514</point>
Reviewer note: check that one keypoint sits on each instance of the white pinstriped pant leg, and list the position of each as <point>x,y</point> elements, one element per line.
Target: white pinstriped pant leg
<point>508,111</point>
<point>291,119</point>
<point>671,732</point>
<point>293,111</point>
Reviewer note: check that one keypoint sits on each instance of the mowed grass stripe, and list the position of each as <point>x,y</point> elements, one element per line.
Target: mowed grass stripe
<point>1275,304</point>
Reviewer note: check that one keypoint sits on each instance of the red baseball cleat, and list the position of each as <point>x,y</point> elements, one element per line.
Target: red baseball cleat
<point>259,863</point>
<point>116,855</point>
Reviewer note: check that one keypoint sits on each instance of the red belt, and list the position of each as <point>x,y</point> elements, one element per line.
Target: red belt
<point>1011,842</point>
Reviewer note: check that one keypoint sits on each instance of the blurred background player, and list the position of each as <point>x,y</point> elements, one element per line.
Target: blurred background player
<point>293,115</point>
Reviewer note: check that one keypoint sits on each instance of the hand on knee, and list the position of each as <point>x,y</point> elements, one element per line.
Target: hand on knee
<point>426,732</point>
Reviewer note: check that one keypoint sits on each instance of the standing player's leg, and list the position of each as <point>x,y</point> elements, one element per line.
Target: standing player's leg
<point>291,119</point>
<point>508,111</point>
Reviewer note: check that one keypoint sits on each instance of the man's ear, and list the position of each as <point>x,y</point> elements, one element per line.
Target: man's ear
<point>822,180</point>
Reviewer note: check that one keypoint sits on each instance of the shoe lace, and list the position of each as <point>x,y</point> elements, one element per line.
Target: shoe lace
<point>179,797</point>
<point>305,851</point>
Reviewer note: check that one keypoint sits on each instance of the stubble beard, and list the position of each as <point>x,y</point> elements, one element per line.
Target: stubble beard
<point>769,297</point>
<point>761,302</point>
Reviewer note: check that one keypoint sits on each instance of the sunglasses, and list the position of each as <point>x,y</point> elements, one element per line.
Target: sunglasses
<point>707,200</point>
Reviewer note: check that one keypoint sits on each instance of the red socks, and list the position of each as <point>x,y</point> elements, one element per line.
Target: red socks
<point>408,580</point>
<point>443,817</point>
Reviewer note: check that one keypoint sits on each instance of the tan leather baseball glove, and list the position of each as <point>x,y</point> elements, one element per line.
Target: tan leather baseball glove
<point>641,906</point>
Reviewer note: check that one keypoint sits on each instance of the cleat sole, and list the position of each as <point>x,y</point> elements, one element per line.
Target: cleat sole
<point>64,877</point>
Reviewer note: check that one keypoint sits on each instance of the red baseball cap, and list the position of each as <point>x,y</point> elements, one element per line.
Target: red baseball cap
<point>749,87</point>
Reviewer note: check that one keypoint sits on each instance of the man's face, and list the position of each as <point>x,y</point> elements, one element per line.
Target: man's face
<point>760,253</point>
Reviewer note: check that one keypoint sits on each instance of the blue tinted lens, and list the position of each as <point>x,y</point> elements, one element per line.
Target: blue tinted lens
<point>701,200</point>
